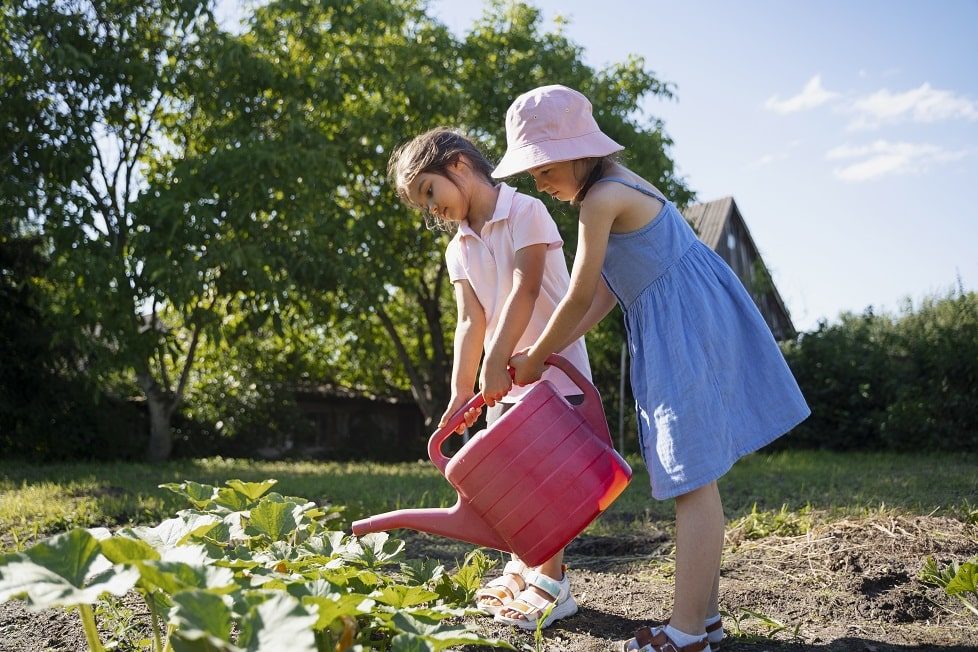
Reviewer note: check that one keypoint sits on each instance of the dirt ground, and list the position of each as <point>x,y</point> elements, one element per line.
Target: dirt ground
<point>848,585</point>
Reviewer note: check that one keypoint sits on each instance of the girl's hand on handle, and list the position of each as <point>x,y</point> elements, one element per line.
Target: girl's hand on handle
<point>454,405</point>
<point>528,370</point>
<point>495,383</point>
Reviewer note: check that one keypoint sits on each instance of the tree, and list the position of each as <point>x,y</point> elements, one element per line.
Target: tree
<point>148,261</point>
<point>392,270</point>
<point>194,186</point>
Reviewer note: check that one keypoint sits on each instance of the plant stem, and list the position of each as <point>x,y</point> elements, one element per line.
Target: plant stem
<point>154,622</point>
<point>169,635</point>
<point>968,605</point>
<point>91,631</point>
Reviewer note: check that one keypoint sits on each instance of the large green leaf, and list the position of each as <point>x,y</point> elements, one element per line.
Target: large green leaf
<point>337,605</point>
<point>326,544</point>
<point>200,495</point>
<point>279,624</point>
<point>185,567</point>
<point>373,550</point>
<point>401,596</point>
<point>273,519</point>
<point>120,549</point>
<point>174,531</point>
<point>410,643</point>
<point>442,636</point>
<point>965,580</point>
<point>232,500</point>
<point>422,571</point>
<point>63,571</point>
<point>202,621</point>
<point>251,490</point>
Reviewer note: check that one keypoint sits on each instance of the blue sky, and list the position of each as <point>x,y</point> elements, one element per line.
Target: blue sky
<point>847,132</point>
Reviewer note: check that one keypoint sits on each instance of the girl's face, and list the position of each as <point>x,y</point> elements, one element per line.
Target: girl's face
<point>440,196</point>
<point>559,180</point>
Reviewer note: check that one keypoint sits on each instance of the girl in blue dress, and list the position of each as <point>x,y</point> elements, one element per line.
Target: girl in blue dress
<point>709,380</point>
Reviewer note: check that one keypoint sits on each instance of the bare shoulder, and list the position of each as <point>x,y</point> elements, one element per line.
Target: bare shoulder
<point>604,200</point>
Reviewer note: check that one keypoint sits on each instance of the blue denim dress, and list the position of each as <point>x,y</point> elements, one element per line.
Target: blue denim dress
<point>709,380</point>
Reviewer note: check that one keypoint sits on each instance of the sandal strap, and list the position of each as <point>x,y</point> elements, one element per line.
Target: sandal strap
<point>548,584</point>
<point>712,627</point>
<point>659,641</point>
<point>531,604</point>
<point>514,567</point>
<point>530,601</point>
<point>498,588</point>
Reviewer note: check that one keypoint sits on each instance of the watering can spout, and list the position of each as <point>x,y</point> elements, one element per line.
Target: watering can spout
<point>459,522</point>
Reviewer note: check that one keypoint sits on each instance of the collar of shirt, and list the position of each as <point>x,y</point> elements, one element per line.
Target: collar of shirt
<point>504,202</point>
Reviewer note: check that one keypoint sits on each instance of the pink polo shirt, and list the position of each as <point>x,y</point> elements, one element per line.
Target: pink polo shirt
<point>488,260</point>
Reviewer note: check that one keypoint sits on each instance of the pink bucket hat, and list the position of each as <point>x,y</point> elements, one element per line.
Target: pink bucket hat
<point>550,124</point>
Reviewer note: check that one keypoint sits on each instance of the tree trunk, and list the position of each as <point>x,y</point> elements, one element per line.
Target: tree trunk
<point>160,412</point>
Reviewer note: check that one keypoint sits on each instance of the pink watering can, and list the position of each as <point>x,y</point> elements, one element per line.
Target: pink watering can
<point>529,483</point>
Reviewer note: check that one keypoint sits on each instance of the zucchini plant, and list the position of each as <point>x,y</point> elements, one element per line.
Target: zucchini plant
<point>247,569</point>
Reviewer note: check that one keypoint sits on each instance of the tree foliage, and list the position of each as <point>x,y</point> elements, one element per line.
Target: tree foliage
<point>197,188</point>
<point>903,382</point>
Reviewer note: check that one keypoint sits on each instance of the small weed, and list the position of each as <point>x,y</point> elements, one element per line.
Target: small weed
<point>125,629</point>
<point>966,512</point>
<point>958,580</point>
<point>538,633</point>
<point>771,626</point>
<point>784,522</point>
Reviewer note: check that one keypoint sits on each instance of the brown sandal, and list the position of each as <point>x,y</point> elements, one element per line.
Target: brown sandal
<point>712,627</point>
<point>660,642</point>
<point>715,645</point>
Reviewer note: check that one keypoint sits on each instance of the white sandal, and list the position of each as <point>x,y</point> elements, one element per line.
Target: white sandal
<point>503,589</point>
<point>532,605</point>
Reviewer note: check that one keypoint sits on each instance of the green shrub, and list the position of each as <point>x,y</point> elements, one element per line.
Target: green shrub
<point>882,382</point>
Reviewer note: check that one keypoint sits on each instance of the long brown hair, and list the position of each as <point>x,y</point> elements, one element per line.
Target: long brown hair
<point>598,166</point>
<point>434,152</point>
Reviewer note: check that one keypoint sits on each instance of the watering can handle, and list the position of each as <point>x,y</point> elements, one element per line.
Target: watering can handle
<point>591,409</point>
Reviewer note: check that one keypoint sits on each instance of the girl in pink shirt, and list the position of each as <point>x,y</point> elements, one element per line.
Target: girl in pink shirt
<point>509,274</point>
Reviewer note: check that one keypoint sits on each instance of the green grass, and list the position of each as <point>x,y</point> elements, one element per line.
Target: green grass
<point>38,500</point>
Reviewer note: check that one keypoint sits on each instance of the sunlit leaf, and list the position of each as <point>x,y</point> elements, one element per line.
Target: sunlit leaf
<point>273,519</point>
<point>404,596</point>
<point>57,573</point>
<point>202,621</point>
<point>410,643</point>
<point>442,636</point>
<point>200,495</point>
<point>251,490</point>
<point>278,624</point>
<point>338,605</point>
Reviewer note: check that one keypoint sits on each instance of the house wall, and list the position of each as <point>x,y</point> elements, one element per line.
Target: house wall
<point>737,249</point>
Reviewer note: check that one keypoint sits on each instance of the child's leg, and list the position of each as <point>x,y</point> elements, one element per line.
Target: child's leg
<point>699,544</point>
<point>713,608</point>
<point>553,567</point>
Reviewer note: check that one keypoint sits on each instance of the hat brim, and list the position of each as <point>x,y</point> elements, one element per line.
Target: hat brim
<point>531,155</point>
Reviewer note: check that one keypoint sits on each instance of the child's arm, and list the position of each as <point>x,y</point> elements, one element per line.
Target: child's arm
<point>596,219</point>
<point>529,262</point>
<point>469,333</point>
<point>604,301</point>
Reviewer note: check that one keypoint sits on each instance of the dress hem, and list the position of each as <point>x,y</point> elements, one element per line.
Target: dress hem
<point>690,485</point>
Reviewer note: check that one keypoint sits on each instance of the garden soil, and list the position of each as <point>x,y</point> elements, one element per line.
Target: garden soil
<point>848,585</point>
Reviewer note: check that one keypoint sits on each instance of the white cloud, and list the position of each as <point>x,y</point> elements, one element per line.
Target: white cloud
<point>811,96</point>
<point>924,104</point>
<point>773,157</point>
<point>883,158</point>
